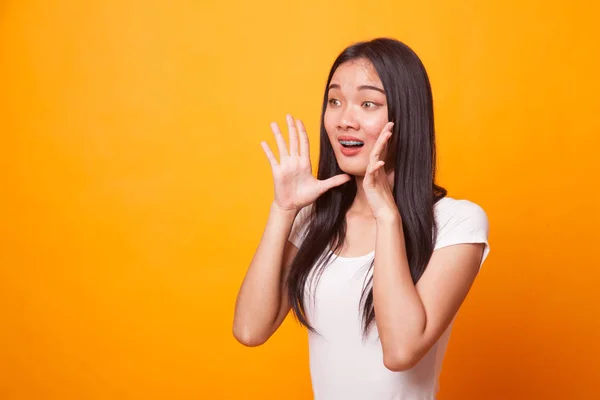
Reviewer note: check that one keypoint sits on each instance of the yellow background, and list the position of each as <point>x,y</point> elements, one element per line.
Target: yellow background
<point>134,188</point>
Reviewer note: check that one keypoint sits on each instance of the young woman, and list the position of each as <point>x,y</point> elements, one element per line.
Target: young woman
<point>371,256</point>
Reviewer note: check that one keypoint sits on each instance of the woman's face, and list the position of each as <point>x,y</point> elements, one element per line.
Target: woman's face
<point>356,112</point>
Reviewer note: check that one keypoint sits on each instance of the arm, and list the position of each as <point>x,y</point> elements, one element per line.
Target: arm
<point>262,304</point>
<point>409,318</point>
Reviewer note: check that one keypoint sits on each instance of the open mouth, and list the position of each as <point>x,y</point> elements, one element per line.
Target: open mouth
<point>351,144</point>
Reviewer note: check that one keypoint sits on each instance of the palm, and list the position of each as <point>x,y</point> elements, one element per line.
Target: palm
<point>295,185</point>
<point>295,188</point>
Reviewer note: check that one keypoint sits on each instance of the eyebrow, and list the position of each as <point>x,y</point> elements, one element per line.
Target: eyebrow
<point>363,87</point>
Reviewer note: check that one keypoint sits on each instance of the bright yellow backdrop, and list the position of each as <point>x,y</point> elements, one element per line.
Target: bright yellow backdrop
<point>134,188</point>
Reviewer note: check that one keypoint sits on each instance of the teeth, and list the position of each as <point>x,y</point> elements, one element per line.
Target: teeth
<point>350,142</point>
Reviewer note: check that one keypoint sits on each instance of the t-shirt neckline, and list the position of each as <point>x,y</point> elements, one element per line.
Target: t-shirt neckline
<point>352,258</point>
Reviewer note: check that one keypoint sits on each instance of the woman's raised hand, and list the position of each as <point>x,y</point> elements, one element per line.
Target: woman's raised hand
<point>295,185</point>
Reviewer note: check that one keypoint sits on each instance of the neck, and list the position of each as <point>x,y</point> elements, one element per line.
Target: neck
<point>360,205</point>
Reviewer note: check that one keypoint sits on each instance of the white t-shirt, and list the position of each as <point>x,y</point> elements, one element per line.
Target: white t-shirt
<point>342,365</point>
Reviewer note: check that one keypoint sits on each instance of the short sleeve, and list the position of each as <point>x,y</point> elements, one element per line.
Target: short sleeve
<point>462,221</point>
<point>300,226</point>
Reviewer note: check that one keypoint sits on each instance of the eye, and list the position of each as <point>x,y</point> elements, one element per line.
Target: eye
<point>334,102</point>
<point>370,104</point>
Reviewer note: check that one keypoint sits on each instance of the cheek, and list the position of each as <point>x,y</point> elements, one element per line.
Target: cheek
<point>373,130</point>
<point>328,121</point>
<point>330,125</point>
<point>373,123</point>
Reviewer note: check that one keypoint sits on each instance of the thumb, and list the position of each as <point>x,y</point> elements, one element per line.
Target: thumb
<point>334,181</point>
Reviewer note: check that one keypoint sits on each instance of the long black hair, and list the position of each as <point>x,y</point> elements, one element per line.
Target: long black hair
<point>410,107</point>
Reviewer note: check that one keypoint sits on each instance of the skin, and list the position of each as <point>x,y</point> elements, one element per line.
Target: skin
<point>357,106</point>
<point>427,308</point>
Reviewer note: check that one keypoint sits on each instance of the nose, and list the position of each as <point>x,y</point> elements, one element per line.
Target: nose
<point>347,119</point>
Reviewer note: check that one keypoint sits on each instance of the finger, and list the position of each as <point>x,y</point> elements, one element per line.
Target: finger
<point>385,134</point>
<point>279,138</point>
<point>269,154</point>
<point>334,181</point>
<point>380,146</point>
<point>372,177</point>
<point>384,151</point>
<point>384,147</point>
<point>293,135</point>
<point>388,127</point>
<point>369,178</point>
<point>303,137</point>
<point>373,167</point>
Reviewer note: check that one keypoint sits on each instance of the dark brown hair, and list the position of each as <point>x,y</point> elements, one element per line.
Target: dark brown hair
<point>410,107</point>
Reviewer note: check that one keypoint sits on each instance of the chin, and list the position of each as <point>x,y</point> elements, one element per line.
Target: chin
<point>351,168</point>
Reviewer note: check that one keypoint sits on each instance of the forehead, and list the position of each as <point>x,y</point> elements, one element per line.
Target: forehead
<point>355,73</point>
